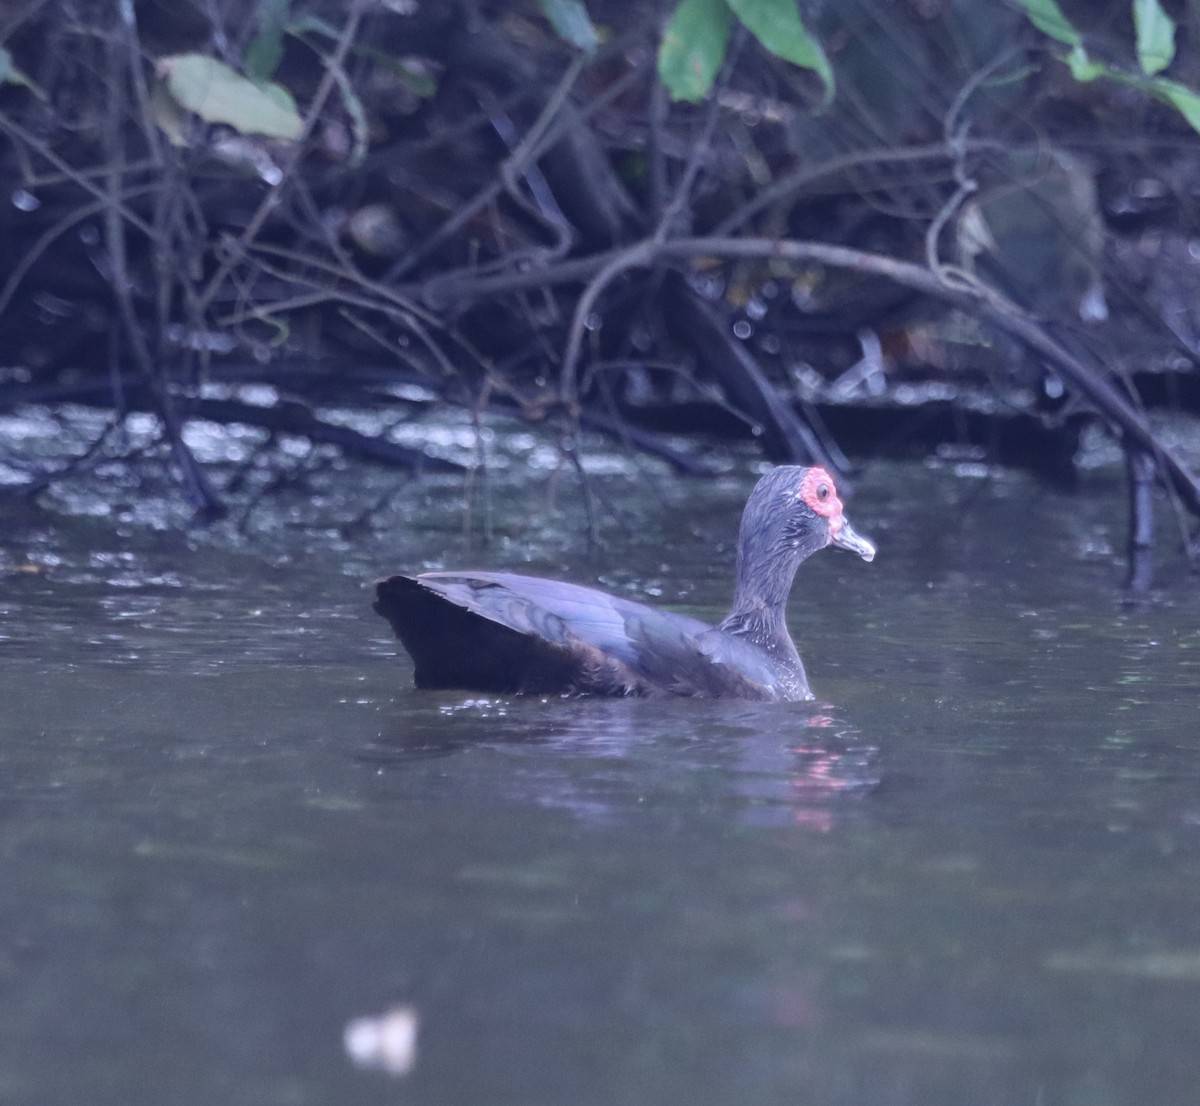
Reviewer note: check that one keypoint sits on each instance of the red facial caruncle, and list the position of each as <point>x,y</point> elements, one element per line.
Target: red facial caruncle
<point>818,490</point>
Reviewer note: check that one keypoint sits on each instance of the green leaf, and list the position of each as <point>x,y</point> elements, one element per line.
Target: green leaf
<point>693,48</point>
<point>409,70</point>
<point>571,22</point>
<point>1048,18</point>
<point>1175,95</point>
<point>1180,97</point>
<point>776,24</point>
<point>10,74</point>
<point>1082,67</point>
<point>266,48</point>
<point>217,94</point>
<point>1155,36</point>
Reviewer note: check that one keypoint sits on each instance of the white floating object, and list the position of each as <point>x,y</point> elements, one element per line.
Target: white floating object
<point>387,1042</point>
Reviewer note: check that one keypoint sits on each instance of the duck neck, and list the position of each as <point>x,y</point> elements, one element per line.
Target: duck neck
<point>759,611</point>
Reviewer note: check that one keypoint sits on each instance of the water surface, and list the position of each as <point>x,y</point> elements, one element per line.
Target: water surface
<point>970,873</point>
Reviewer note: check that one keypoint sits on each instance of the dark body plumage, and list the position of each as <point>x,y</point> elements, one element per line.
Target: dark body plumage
<point>506,633</point>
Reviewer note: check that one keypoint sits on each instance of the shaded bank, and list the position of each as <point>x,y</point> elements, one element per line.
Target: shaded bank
<point>966,252</point>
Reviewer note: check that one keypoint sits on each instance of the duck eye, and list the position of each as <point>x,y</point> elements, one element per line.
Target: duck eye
<point>822,491</point>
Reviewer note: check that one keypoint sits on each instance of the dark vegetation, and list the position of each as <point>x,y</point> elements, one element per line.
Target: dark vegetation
<point>969,251</point>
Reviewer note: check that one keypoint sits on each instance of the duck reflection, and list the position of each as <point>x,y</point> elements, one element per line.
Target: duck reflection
<point>620,760</point>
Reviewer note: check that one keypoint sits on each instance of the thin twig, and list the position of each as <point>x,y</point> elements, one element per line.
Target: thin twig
<point>700,148</point>
<point>80,178</point>
<point>807,175</point>
<point>465,213</point>
<point>51,234</point>
<point>237,248</point>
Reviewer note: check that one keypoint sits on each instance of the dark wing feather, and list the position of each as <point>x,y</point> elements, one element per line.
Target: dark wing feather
<point>471,632</point>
